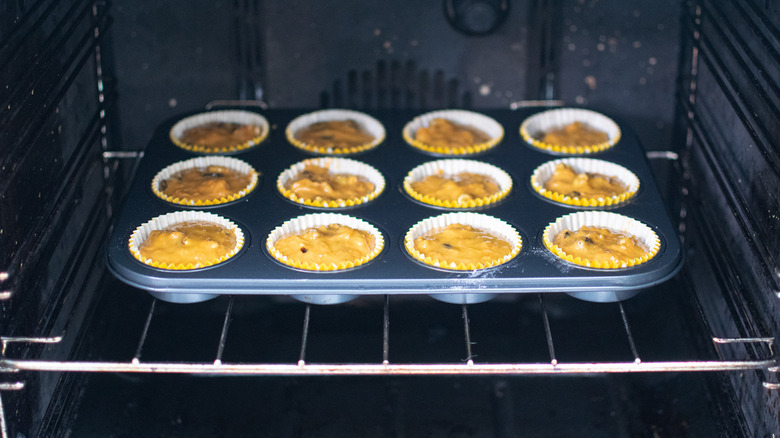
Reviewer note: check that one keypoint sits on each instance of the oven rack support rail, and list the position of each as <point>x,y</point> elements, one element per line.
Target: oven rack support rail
<point>466,367</point>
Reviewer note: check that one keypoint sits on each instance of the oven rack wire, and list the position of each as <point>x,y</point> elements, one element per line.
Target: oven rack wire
<point>762,348</point>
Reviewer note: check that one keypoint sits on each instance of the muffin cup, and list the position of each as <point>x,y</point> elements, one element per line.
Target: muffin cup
<point>535,126</point>
<point>489,126</point>
<point>162,222</point>
<point>335,166</point>
<point>302,223</point>
<point>223,116</point>
<point>370,124</point>
<point>451,167</point>
<point>612,221</point>
<point>202,162</point>
<point>494,226</point>
<point>585,165</point>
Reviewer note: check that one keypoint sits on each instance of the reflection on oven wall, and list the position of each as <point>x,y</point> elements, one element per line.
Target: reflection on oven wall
<point>608,55</point>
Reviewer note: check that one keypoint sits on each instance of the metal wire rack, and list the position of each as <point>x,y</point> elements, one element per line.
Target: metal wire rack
<point>468,366</point>
<point>759,353</point>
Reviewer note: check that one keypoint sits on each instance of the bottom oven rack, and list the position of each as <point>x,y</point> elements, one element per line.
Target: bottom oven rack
<point>467,366</point>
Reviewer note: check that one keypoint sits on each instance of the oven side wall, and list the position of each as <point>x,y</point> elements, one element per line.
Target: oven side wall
<point>56,192</point>
<point>728,121</point>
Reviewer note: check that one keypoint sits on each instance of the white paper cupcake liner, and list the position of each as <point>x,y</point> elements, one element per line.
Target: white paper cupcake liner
<point>314,220</point>
<point>585,165</point>
<point>203,162</point>
<point>452,167</point>
<point>162,222</point>
<point>486,124</point>
<point>370,124</point>
<point>612,221</point>
<point>335,166</point>
<point>492,225</point>
<point>534,127</point>
<point>222,116</point>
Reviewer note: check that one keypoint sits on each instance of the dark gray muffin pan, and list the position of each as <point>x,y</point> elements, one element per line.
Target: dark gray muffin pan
<point>253,272</point>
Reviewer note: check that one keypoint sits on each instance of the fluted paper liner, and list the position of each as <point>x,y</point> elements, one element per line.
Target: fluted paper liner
<point>222,116</point>
<point>162,222</point>
<point>335,166</point>
<point>202,162</point>
<point>486,124</point>
<point>490,224</point>
<point>452,167</point>
<point>370,124</point>
<point>612,221</point>
<point>314,220</point>
<point>534,127</point>
<point>585,165</point>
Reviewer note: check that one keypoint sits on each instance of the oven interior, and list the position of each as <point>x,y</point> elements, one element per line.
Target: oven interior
<point>85,84</point>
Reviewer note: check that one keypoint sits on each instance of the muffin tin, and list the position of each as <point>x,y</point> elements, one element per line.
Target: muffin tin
<point>254,272</point>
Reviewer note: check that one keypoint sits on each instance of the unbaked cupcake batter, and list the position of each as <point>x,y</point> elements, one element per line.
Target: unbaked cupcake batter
<point>575,134</point>
<point>458,243</point>
<point>317,183</point>
<point>461,187</point>
<point>188,242</point>
<point>335,134</point>
<point>567,181</point>
<point>446,134</point>
<point>326,244</point>
<point>205,183</point>
<point>600,245</point>
<point>217,135</point>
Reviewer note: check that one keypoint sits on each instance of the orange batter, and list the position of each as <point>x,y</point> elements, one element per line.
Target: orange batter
<point>317,183</point>
<point>461,187</point>
<point>567,181</point>
<point>446,134</point>
<point>575,134</point>
<point>188,242</point>
<point>216,135</point>
<point>335,134</point>
<point>205,183</point>
<point>600,245</point>
<point>326,245</point>
<point>458,243</point>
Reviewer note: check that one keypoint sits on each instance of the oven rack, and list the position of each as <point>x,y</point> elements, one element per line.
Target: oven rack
<point>761,348</point>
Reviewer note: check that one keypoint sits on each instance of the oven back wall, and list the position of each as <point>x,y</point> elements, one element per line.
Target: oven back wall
<point>168,59</point>
<point>614,56</point>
